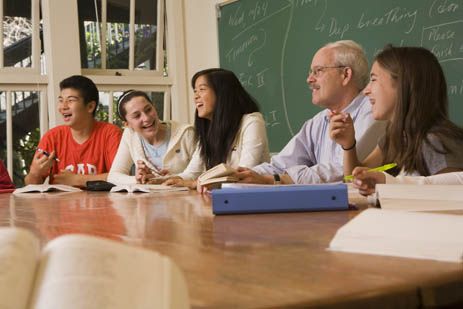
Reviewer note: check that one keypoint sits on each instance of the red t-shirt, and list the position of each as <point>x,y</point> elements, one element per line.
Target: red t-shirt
<point>94,156</point>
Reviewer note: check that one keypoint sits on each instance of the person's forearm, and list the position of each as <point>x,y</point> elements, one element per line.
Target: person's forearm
<point>350,160</point>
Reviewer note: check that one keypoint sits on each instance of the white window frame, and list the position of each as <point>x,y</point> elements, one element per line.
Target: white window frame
<point>35,19</point>
<point>131,69</point>
<point>43,115</point>
<point>14,79</point>
<point>60,28</point>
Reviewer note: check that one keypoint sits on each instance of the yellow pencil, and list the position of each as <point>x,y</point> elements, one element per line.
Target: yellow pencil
<point>376,169</point>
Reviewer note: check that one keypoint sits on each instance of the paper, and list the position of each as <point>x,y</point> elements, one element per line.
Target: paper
<point>45,188</point>
<point>146,188</point>
<point>403,234</point>
<point>420,197</point>
<point>220,173</point>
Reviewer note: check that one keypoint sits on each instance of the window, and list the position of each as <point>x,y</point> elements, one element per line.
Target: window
<point>23,108</point>
<point>122,46</point>
<point>122,36</point>
<point>21,35</point>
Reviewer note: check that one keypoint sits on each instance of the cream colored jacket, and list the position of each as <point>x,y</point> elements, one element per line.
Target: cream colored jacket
<point>250,147</point>
<point>180,149</point>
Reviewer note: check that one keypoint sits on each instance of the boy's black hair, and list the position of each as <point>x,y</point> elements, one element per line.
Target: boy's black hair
<point>85,86</point>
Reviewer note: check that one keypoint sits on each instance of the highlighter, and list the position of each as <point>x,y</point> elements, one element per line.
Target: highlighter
<point>376,169</point>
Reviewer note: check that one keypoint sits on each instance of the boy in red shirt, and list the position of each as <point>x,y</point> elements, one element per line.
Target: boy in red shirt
<point>82,149</point>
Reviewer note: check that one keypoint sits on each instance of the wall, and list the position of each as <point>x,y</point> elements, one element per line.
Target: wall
<point>201,39</point>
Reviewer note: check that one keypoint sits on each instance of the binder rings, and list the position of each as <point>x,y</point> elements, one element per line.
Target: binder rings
<point>280,199</point>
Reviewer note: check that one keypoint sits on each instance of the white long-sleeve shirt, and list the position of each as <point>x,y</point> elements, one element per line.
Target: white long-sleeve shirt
<point>311,156</point>
<point>455,178</point>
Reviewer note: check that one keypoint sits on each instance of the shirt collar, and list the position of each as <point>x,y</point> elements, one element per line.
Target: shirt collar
<point>351,108</point>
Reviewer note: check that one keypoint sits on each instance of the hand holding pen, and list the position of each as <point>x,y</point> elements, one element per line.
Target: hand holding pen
<point>41,164</point>
<point>45,153</point>
<point>144,174</point>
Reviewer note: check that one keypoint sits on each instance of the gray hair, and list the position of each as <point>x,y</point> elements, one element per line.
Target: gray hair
<point>351,54</point>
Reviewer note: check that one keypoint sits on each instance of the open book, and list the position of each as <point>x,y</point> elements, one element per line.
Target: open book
<point>401,233</point>
<point>45,188</point>
<point>146,188</point>
<point>420,197</point>
<point>220,173</point>
<point>79,271</point>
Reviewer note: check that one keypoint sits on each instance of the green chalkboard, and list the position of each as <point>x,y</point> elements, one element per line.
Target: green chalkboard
<point>269,45</point>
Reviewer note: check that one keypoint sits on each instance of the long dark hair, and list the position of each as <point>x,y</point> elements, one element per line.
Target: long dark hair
<point>232,102</point>
<point>421,108</point>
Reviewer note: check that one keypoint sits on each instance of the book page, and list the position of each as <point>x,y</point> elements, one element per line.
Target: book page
<point>420,197</point>
<point>130,188</point>
<point>78,271</point>
<point>223,179</point>
<point>400,233</point>
<point>217,171</point>
<point>19,253</point>
<point>147,188</point>
<point>46,188</point>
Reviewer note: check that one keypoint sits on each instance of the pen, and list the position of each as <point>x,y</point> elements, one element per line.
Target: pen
<point>47,154</point>
<point>376,169</point>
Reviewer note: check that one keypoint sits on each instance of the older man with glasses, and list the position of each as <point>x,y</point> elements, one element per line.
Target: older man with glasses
<point>337,75</point>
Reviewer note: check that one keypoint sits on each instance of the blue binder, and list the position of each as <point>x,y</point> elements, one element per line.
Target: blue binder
<point>280,199</point>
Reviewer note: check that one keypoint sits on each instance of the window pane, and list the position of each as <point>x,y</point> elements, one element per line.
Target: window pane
<point>117,34</point>
<point>26,132</point>
<point>17,33</point>
<point>89,32</point>
<point>158,100</point>
<point>3,126</point>
<point>145,34</point>
<point>116,119</point>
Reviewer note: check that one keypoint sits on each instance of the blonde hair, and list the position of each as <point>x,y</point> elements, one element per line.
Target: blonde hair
<point>350,54</point>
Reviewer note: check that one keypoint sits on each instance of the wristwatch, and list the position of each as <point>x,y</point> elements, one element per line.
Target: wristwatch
<point>276,179</point>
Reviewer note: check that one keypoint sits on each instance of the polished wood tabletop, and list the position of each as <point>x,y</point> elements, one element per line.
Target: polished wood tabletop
<point>243,261</point>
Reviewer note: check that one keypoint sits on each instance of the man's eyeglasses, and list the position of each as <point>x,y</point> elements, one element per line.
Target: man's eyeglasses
<point>318,71</point>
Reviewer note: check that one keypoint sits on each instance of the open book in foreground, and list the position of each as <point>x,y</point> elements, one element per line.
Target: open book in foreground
<point>45,188</point>
<point>420,197</point>
<point>79,271</point>
<point>146,188</point>
<point>220,173</point>
<point>401,233</point>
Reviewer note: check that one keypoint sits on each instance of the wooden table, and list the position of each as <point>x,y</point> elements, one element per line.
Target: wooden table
<point>266,260</point>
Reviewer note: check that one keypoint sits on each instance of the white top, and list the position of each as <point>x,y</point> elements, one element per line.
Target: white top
<point>455,178</point>
<point>249,149</point>
<point>182,145</point>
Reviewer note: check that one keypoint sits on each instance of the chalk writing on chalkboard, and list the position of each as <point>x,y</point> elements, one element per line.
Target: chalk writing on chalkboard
<point>269,45</point>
